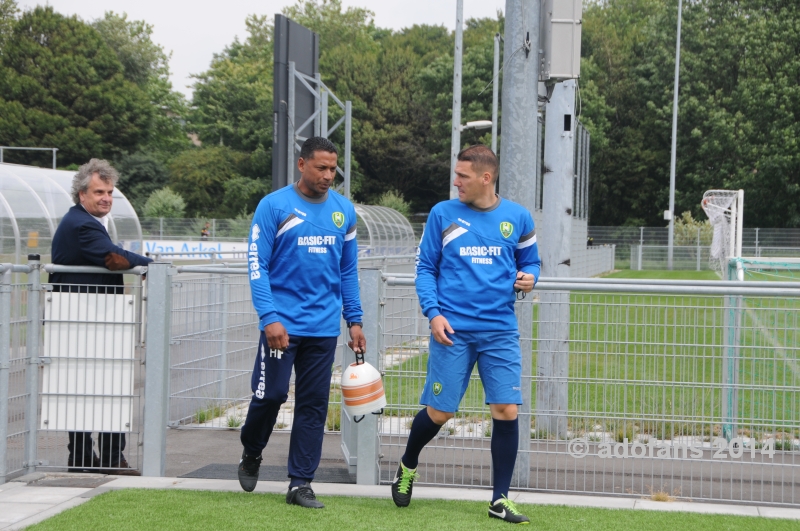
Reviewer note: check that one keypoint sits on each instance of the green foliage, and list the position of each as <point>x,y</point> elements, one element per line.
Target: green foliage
<point>8,12</point>
<point>394,199</point>
<point>212,182</point>
<point>147,65</point>
<point>141,58</point>
<point>62,86</point>
<point>686,230</point>
<point>242,195</point>
<point>231,97</point>
<point>164,203</point>
<point>739,99</point>
<point>140,175</point>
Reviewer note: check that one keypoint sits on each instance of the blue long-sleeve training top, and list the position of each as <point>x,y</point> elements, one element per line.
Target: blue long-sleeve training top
<point>303,258</point>
<point>467,263</point>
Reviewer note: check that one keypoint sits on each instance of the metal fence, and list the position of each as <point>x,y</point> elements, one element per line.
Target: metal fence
<point>633,386</point>
<point>755,242</point>
<point>70,362</point>
<point>699,380</point>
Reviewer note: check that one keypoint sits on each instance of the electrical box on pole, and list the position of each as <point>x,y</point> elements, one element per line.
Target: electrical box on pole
<point>560,39</point>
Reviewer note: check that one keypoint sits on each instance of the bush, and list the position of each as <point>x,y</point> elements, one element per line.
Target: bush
<point>164,203</point>
<point>394,199</point>
<point>686,230</point>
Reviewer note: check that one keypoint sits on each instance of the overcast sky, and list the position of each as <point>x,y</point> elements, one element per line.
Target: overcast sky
<point>195,30</point>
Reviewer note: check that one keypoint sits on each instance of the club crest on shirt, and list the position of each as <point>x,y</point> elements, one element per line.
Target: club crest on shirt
<point>437,388</point>
<point>506,229</point>
<point>338,219</point>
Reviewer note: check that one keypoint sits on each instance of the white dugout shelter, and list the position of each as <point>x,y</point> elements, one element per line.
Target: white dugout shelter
<point>32,203</point>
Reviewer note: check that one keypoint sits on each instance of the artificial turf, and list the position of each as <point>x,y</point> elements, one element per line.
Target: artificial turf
<point>138,509</point>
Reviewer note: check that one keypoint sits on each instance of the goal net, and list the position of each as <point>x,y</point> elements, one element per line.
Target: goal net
<point>724,211</point>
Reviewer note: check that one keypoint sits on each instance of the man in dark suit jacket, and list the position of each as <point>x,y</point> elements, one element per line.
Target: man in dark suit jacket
<point>82,239</point>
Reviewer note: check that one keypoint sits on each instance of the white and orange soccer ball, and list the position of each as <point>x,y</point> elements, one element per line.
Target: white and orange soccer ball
<point>362,389</point>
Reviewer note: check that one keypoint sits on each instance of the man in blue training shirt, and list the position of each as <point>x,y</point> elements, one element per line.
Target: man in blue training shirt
<point>303,258</point>
<point>475,252</point>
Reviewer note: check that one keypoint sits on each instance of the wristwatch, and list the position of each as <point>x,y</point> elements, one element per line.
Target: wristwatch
<point>354,323</point>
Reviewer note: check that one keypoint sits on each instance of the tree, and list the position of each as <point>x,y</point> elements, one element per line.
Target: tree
<point>8,13</point>
<point>211,181</point>
<point>393,199</point>
<point>233,98</point>
<point>164,203</point>
<point>146,64</point>
<point>737,120</point>
<point>62,86</point>
<point>140,175</point>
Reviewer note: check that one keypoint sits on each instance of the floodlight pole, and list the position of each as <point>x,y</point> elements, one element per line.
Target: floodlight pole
<point>673,154</point>
<point>518,159</point>
<point>455,141</point>
<point>495,90</point>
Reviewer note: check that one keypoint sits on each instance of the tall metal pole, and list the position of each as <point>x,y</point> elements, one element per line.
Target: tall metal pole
<point>291,162</point>
<point>495,90</point>
<point>556,240</point>
<point>455,141</point>
<point>673,155</point>
<point>348,141</point>
<point>55,150</point>
<point>518,162</point>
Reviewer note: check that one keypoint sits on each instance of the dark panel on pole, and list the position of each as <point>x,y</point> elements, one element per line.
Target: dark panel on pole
<point>293,42</point>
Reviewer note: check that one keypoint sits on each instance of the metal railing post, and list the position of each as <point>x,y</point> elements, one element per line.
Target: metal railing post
<point>5,366</point>
<point>32,368</point>
<point>698,248</point>
<point>157,364</point>
<point>223,349</point>
<point>372,301</point>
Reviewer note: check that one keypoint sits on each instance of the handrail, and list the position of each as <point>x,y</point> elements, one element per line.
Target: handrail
<point>763,289</point>
<point>58,268</point>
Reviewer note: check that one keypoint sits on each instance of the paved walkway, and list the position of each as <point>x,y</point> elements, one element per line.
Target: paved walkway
<point>28,499</point>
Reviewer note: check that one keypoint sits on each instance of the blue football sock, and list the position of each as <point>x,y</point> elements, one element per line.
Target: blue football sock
<point>505,443</point>
<point>423,429</point>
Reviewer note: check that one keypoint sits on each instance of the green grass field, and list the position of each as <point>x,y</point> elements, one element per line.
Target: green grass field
<point>125,510</point>
<point>658,360</point>
<point>664,275</point>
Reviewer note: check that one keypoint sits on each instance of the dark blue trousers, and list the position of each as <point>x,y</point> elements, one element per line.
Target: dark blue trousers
<point>312,358</point>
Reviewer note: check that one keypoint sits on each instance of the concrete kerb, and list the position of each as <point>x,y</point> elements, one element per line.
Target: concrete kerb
<point>53,500</point>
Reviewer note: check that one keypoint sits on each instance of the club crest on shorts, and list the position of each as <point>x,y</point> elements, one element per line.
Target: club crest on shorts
<point>437,388</point>
<point>338,219</point>
<point>506,229</point>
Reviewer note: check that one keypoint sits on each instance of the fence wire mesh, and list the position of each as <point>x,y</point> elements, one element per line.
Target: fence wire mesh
<point>17,394</point>
<point>712,383</point>
<point>215,339</point>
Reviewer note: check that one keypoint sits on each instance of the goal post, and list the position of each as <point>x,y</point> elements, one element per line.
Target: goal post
<point>725,211</point>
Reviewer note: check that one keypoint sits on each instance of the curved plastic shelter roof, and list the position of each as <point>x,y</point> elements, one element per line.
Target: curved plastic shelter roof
<point>32,203</point>
<point>383,231</point>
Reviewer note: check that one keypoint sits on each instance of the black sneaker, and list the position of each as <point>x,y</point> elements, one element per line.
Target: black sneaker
<point>402,485</point>
<point>248,471</point>
<point>504,509</point>
<point>303,495</point>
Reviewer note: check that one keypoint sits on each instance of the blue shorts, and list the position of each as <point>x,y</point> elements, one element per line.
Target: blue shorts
<point>449,369</point>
